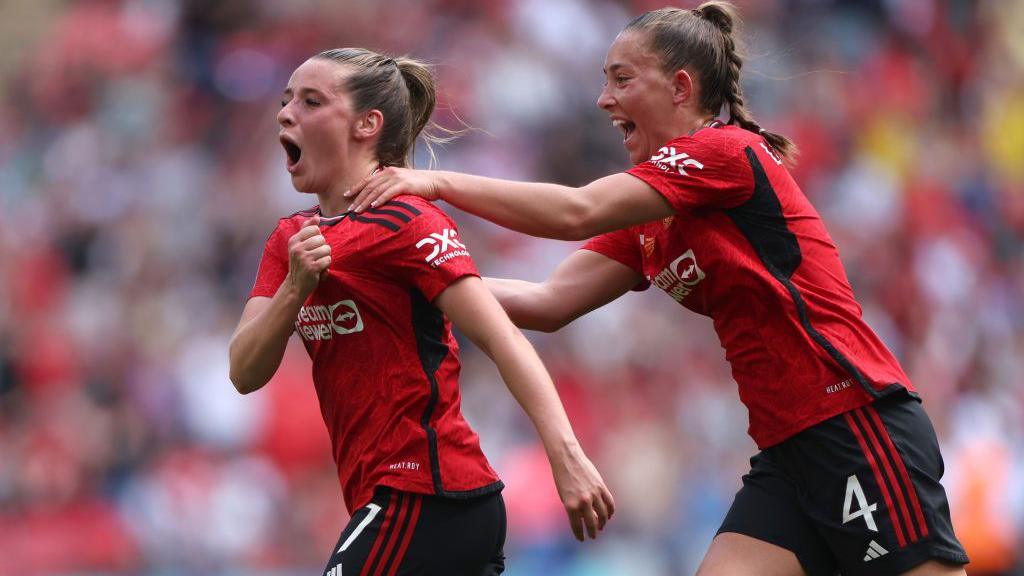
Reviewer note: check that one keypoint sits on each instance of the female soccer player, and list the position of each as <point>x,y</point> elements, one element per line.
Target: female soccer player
<point>847,478</point>
<point>371,296</point>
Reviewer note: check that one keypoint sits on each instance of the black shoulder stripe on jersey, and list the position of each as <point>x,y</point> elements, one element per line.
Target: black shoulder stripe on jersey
<point>762,222</point>
<point>394,213</point>
<point>428,326</point>
<point>408,207</point>
<point>378,221</point>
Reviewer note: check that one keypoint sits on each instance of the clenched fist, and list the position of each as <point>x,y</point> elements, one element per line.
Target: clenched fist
<point>309,257</point>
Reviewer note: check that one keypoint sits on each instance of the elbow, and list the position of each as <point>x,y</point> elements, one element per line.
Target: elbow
<point>553,324</point>
<point>579,221</point>
<point>552,320</point>
<point>545,311</point>
<point>570,217</point>
<point>242,384</point>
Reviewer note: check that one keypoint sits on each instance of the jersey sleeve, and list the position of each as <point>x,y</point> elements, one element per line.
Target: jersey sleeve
<point>624,247</point>
<point>273,266</point>
<point>692,174</point>
<point>427,253</point>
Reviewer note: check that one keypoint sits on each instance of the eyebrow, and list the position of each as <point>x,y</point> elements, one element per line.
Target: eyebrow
<point>289,91</point>
<point>612,68</point>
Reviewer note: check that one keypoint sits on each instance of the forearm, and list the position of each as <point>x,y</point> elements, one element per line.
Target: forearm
<point>258,345</point>
<point>528,381</point>
<point>528,304</point>
<point>537,209</point>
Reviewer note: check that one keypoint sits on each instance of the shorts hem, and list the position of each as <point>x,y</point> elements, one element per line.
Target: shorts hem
<point>908,560</point>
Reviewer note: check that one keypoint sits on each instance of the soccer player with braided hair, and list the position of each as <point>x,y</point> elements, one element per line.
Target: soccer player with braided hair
<point>847,477</point>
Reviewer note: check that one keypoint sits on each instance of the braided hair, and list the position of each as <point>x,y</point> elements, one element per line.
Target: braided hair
<point>703,41</point>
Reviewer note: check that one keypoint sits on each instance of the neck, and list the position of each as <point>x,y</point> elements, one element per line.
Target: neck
<point>684,122</point>
<point>332,201</point>
<point>695,123</point>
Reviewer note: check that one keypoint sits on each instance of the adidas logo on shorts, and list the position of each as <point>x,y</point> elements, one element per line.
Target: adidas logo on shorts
<point>875,550</point>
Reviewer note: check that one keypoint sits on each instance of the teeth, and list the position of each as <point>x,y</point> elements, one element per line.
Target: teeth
<point>624,126</point>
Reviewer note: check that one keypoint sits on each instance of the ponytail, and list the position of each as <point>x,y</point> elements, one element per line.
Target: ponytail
<point>703,40</point>
<point>422,101</point>
<point>402,89</point>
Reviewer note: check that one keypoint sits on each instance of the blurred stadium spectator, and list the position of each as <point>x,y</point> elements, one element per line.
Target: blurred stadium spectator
<point>140,171</point>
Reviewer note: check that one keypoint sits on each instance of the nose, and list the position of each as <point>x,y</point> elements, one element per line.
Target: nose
<point>605,100</point>
<point>284,116</point>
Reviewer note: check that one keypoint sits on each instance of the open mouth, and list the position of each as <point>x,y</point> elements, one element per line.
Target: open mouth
<point>626,127</point>
<point>293,151</point>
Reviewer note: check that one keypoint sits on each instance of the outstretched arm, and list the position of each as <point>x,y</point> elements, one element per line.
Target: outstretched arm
<point>545,210</point>
<point>469,305</point>
<point>583,282</point>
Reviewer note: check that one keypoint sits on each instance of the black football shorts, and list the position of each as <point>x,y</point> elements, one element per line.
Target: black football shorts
<point>404,534</point>
<point>857,494</point>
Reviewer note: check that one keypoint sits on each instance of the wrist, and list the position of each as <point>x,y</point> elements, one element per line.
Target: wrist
<point>442,183</point>
<point>291,290</point>
<point>563,448</point>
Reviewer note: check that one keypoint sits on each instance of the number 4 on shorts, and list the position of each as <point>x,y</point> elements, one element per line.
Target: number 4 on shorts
<point>854,491</point>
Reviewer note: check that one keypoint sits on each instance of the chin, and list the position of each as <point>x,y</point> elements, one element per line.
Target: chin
<point>301,185</point>
<point>301,189</point>
<point>636,155</point>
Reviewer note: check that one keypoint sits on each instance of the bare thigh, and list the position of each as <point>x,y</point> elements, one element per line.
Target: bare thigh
<point>936,568</point>
<point>734,554</point>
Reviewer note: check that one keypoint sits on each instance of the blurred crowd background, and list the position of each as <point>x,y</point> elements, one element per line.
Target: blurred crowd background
<point>140,174</point>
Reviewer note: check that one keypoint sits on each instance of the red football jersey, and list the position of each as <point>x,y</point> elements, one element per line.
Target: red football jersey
<point>385,363</point>
<point>747,249</point>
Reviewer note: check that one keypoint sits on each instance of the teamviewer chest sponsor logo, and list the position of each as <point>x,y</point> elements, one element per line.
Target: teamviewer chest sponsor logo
<point>443,247</point>
<point>322,322</point>
<point>680,277</point>
<point>668,159</point>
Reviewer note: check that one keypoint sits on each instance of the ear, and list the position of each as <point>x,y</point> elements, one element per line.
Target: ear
<point>369,126</point>
<point>683,87</point>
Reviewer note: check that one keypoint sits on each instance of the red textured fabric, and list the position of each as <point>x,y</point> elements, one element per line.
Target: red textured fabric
<point>366,327</point>
<point>702,258</point>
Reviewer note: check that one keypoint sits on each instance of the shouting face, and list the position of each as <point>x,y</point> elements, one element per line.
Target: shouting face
<point>638,96</point>
<point>317,123</point>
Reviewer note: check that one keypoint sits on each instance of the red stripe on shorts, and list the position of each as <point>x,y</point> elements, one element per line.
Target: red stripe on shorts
<point>901,467</point>
<point>878,478</point>
<point>403,515</point>
<point>414,517</point>
<point>912,534</point>
<point>388,517</point>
